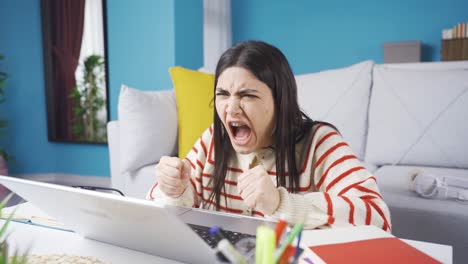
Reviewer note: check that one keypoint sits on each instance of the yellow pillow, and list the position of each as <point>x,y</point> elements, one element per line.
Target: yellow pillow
<point>194,93</point>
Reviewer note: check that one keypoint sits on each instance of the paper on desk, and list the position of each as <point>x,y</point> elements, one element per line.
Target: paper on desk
<point>309,257</point>
<point>26,212</point>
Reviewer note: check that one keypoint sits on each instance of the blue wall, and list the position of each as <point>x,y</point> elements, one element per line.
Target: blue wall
<point>25,107</point>
<point>189,33</point>
<point>141,45</point>
<point>145,37</point>
<point>317,35</point>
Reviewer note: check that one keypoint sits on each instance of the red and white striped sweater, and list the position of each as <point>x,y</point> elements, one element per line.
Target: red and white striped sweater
<point>334,187</point>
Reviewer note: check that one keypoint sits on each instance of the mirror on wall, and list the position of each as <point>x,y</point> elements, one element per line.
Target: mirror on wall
<point>76,70</point>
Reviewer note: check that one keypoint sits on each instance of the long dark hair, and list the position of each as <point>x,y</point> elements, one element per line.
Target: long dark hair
<point>269,65</point>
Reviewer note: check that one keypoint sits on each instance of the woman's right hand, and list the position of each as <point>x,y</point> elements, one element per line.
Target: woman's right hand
<point>173,175</point>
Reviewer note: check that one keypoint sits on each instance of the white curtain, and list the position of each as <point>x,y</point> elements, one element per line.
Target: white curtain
<point>92,44</point>
<point>217,32</point>
<point>93,34</point>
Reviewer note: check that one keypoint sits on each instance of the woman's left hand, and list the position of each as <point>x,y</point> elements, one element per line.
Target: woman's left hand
<point>257,189</point>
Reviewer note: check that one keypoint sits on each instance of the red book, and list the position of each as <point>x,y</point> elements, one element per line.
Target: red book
<point>389,250</point>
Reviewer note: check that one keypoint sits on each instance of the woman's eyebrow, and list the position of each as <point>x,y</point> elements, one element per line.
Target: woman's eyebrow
<point>247,90</point>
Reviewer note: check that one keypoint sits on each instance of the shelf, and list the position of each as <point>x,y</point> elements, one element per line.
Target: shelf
<point>454,49</point>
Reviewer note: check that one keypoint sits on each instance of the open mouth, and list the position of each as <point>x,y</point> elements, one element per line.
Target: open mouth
<point>240,132</point>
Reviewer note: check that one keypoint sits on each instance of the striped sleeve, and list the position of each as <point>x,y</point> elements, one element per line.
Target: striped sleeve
<point>197,157</point>
<point>346,193</point>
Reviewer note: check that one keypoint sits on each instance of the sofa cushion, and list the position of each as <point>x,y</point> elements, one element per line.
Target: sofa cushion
<point>194,95</point>
<point>417,117</point>
<point>340,97</point>
<point>145,117</point>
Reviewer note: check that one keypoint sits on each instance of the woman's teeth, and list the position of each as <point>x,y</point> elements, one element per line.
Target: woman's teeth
<point>235,124</point>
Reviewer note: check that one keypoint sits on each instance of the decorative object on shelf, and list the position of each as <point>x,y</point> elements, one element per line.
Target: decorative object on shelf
<point>455,43</point>
<point>402,51</point>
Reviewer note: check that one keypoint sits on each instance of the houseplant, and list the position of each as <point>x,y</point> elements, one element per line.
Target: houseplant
<point>4,256</point>
<point>4,157</point>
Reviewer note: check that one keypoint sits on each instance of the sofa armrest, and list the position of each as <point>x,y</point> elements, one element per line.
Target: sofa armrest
<point>132,184</point>
<point>113,139</point>
<point>145,131</point>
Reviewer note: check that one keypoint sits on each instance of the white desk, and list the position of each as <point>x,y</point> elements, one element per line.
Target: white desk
<point>42,240</point>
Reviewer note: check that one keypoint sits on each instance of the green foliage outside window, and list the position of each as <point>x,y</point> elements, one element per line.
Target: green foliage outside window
<point>88,99</point>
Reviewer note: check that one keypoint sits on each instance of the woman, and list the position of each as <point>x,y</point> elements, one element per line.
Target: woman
<point>263,156</point>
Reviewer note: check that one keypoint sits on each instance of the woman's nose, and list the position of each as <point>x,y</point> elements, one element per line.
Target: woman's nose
<point>233,106</point>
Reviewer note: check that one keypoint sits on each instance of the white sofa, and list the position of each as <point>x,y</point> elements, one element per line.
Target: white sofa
<point>400,119</point>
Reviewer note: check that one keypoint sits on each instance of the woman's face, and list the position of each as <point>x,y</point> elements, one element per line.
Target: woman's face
<point>245,106</point>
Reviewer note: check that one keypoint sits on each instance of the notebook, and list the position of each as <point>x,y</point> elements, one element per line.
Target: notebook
<point>28,213</point>
<point>378,250</point>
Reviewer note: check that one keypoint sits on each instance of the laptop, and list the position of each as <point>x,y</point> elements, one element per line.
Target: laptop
<point>132,223</point>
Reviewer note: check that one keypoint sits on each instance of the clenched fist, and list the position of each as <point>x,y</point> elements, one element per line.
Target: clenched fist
<point>173,175</point>
<point>257,189</point>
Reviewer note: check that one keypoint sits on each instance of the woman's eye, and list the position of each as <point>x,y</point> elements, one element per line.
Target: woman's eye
<point>249,96</point>
<point>221,94</point>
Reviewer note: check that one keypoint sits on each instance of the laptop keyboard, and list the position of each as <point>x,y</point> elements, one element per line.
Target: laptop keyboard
<point>203,232</point>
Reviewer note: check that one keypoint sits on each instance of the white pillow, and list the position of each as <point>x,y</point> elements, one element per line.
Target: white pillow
<point>148,127</point>
<point>418,117</point>
<point>340,97</point>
